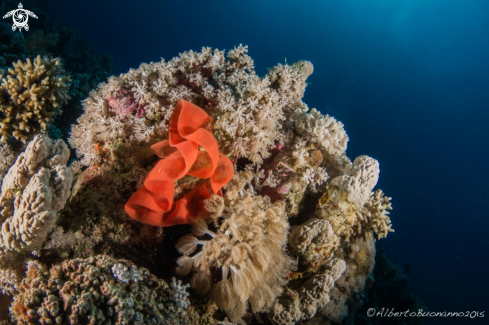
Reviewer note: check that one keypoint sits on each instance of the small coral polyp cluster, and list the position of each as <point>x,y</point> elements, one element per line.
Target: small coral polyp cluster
<point>284,236</point>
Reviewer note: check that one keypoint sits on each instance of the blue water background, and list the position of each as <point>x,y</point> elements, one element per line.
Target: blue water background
<point>408,78</point>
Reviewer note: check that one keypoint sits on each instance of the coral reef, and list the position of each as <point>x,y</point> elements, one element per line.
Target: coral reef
<point>232,162</point>
<point>7,158</point>
<point>31,95</point>
<point>91,291</point>
<point>313,240</point>
<point>249,111</point>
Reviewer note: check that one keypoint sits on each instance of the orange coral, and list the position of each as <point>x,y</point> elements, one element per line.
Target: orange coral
<point>190,127</point>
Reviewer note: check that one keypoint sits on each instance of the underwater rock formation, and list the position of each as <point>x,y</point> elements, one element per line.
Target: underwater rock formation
<point>283,234</point>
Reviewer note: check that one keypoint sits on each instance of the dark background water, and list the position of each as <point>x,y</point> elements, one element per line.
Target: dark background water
<point>408,78</point>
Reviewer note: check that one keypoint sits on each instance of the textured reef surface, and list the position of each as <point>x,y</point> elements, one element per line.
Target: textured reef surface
<point>201,194</point>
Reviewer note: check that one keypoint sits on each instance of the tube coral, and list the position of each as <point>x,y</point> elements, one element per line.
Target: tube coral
<point>189,129</point>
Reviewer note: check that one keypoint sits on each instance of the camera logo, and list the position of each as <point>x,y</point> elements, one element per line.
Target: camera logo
<point>20,17</point>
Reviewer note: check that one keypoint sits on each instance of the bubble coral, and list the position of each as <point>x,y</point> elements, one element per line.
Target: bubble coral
<point>153,202</point>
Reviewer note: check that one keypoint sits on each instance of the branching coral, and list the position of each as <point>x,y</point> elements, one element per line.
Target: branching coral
<point>375,213</point>
<point>31,95</point>
<point>35,188</point>
<point>89,291</point>
<point>153,202</point>
<point>350,221</point>
<point>247,248</point>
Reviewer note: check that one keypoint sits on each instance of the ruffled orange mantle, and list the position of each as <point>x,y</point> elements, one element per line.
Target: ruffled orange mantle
<point>190,128</point>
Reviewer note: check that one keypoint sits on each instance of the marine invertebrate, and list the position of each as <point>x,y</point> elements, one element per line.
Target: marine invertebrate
<point>315,240</point>
<point>31,95</point>
<point>35,188</point>
<point>359,179</point>
<point>250,112</point>
<point>375,213</point>
<point>247,247</point>
<point>153,202</point>
<point>303,303</point>
<point>8,282</point>
<point>359,257</point>
<point>326,134</point>
<point>124,104</point>
<point>89,291</point>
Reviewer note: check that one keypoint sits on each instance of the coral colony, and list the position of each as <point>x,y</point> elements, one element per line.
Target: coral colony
<point>202,194</point>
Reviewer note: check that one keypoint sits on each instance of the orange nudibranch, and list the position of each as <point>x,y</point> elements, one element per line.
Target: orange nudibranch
<point>190,128</point>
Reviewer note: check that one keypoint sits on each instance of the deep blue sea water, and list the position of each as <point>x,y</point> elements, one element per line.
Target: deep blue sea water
<point>408,78</point>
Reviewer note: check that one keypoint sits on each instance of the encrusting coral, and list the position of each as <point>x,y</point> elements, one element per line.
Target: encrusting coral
<point>94,291</point>
<point>31,95</point>
<point>314,239</point>
<point>35,188</point>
